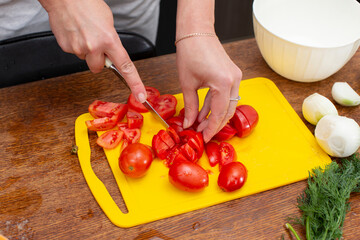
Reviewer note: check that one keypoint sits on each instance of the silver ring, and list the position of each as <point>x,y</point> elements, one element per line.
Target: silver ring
<point>235,99</point>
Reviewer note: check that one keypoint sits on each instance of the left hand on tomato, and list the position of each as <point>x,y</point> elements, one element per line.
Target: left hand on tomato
<point>203,62</point>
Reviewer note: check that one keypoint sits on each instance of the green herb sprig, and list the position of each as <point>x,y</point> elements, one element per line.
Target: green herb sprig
<point>325,201</point>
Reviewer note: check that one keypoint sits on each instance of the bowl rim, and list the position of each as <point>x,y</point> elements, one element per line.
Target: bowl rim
<point>346,43</point>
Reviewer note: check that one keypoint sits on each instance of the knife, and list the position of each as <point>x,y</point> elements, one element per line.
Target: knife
<point>148,106</point>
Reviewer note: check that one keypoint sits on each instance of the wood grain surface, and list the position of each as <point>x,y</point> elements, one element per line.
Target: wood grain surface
<point>43,194</point>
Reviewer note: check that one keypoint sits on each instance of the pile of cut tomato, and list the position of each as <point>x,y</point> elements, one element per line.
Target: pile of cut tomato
<point>179,148</point>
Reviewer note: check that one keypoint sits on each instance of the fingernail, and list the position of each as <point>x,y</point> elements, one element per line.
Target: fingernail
<point>185,124</point>
<point>141,97</point>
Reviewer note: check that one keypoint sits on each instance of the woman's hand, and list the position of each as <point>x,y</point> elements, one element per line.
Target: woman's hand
<point>203,62</point>
<point>86,29</point>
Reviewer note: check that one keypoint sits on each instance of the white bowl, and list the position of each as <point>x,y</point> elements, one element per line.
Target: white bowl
<point>307,40</point>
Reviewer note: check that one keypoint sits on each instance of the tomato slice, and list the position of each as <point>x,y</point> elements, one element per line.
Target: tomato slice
<point>189,152</point>
<point>100,124</point>
<point>107,123</point>
<point>165,105</point>
<point>122,125</point>
<point>194,139</point>
<point>110,139</point>
<point>135,119</point>
<point>152,94</point>
<point>241,124</point>
<point>212,150</point>
<point>166,138</point>
<point>160,148</point>
<point>132,135</point>
<point>250,114</point>
<point>227,154</point>
<point>100,109</point>
<point>225,133</point>
<point>173,135</point>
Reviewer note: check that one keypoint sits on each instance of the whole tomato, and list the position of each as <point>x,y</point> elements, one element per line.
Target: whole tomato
<point>135,160</point>
<point>232,176</point>
<point>188,176</point>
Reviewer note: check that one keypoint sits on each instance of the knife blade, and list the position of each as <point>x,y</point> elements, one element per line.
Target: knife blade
<point>148,106</point>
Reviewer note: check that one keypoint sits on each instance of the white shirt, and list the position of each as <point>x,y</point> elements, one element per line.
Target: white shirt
<point>18,17</point>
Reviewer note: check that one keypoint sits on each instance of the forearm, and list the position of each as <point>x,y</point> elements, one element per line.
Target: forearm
<point>195,16</point>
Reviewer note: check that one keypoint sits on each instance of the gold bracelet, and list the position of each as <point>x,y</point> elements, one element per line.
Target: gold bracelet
<point>195,35</point>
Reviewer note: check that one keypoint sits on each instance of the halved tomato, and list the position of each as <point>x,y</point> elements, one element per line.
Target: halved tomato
<point>165,105</point>
<point>152,93</point>
<point>225,133</point>
<point>250,114</point>
<point>134,119</point>
<point>244,120</point>
<point>241,124</point>
<point>189,152</point>
<point>227,154</point>
<point>110,139</point>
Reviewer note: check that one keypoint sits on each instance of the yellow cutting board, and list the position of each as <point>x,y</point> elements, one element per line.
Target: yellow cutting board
<point>281,150</point>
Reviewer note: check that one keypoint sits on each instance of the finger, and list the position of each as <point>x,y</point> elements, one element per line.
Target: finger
<point>126,67</point>
<point>219,105</point>
<point>95,61</point>
<point>234,93</point>
<point>206,107</point>
<point>191,106</point>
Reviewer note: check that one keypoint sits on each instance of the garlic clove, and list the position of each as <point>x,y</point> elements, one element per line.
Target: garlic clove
<point>316,106</point>
<point>344,94</point>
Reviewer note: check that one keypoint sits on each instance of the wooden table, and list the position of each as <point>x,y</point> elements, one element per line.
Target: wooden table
<point>43,194</point>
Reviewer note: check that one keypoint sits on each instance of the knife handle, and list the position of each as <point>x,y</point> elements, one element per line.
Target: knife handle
<point>110,65</point>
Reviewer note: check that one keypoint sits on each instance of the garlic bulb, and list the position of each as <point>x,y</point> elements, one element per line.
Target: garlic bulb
<point>344,94</point>
<point>338,136</point>
<point>316,106</point>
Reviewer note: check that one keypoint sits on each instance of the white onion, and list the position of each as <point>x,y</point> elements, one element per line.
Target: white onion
<point>316,106</point>
<point>338,136</point>
<point>344,94</point>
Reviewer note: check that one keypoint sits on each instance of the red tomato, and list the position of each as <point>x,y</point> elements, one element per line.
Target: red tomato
<point>122,125</point>
<point>152,93</point>
<point>135,160</point>
<point>232,176</point>
<point>227,154</point>
<point>188,176</point>
<point>244,120</point>
<point>165,105</point>
<point>110,139</point>
<point>212,150</point>
<point>225,133</point>
<point>132,135</point>
<point>135,119</point>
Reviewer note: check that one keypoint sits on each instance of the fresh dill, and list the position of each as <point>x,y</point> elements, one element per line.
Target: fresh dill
<point>325,201</point>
